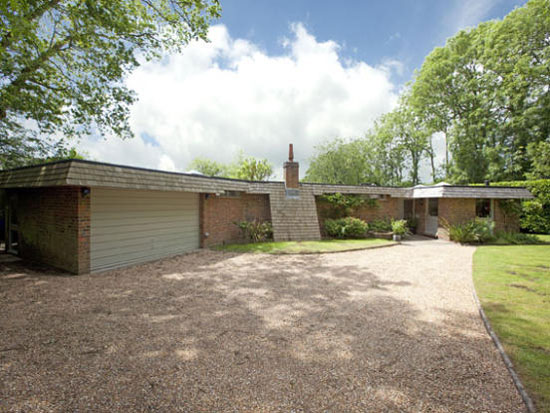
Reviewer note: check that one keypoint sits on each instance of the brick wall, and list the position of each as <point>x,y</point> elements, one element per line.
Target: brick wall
<point>389,208</point>
<point>454,211</point>
<point>54,227</point>
<point>218,214</point>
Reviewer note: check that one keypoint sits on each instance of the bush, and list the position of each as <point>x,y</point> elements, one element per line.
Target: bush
<point>342,205</point>
<point>256,231</point>
<point>515,238</point>
<point>535,213</point>
<point>348,227</point>
<point>475,231</point>
<point>380,225</point>
<point>399,227</point>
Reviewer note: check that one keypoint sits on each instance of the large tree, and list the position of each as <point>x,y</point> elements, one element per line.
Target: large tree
<point>487,91</point>
<point>63,63</point>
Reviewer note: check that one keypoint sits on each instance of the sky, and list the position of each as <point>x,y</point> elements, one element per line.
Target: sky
<point>280,72</point>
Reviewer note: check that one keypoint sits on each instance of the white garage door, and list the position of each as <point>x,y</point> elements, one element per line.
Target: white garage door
<point>130,227</point>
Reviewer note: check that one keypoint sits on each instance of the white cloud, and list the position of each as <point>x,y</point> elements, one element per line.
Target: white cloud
<point>219,97</point>
<point>469,13</point>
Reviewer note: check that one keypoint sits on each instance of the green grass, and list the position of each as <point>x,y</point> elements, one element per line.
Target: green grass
<point>513,284</point>
<point>305,247</point>
<point>544,238</point>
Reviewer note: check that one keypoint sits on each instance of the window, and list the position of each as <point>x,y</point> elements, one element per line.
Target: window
<point>483,208</point>
<point>433,207</point>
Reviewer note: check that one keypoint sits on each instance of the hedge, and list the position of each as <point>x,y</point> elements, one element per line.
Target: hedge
<point>535,214</point>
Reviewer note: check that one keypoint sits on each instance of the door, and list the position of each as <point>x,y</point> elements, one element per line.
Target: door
<point>130,227</point>
<point>432,216</point>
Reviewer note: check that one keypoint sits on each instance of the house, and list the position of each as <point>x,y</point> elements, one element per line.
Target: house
<point>83,216</point>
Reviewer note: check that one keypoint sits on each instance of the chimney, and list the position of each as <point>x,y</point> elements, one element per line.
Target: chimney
<point>292,172</point>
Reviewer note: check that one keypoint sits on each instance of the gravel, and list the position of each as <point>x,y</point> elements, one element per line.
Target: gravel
<point>392,329</point>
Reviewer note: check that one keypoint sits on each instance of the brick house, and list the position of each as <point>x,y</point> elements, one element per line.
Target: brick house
<point>83,216</point>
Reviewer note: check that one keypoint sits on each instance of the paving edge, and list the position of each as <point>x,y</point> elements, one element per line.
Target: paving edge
<point>515,378</point>
<point>371,247</point>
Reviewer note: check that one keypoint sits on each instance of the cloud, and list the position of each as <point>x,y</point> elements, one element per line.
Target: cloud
<point>469,13</point>
<point>220,97</point>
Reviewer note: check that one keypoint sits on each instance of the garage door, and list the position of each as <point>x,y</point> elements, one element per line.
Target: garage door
<point>130,227</point>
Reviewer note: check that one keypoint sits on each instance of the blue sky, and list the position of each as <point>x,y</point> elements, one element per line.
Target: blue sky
<point>368,30</point>
<point>280,72</point>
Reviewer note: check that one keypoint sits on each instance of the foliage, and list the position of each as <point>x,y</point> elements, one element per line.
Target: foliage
<point>535,213</point>
<point>208,167</point>
<point>247,168</point>
<point>486,91</point>
<point>399,227</point>
<point>305,247</point>
<point>342,204</point>
<point>514,238</point>
<point>348,227</point>
<point>256,231</point>
<point>539,153</point>
<point>340,162</point>
<point>512,283</point>
<point>380,225</point>
<point>63,63</point>
<point>470,232</point>
<point>252,169</point>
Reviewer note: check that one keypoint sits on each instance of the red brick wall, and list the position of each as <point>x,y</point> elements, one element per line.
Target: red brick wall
<point>218,214</point>
<point>54,227</point>
<point>389,208</point>
<point>454,211</point>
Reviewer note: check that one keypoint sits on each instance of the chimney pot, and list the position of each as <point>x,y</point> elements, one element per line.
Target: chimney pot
<point>290,152</point>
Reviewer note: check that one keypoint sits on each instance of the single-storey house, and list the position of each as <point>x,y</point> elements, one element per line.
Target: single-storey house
<point>83,216</point>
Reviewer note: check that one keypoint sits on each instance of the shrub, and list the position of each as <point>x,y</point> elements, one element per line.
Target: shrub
<point>475,231</point>
<point>342,205</point>
<point>380,225</point>
<point>515,238</point>
<point>399,227</point>
<point>535,213</point>
<point>256,231</point>
<point>348,227</point>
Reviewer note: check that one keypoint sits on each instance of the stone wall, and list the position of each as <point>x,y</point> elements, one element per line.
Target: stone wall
<point>54,227</point>
<point>218,214</point>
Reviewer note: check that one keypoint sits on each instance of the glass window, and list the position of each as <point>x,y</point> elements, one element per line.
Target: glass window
<point>433,206</point>
<point>483,208</point>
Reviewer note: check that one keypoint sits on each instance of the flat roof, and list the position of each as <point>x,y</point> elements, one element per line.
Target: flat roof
<point>78,172</point>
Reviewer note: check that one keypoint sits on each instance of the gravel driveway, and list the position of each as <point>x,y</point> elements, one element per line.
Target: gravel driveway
<point>382,330</point>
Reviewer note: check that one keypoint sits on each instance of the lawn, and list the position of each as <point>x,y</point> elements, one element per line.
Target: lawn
<point>306,247</point>
<point>513,284</point>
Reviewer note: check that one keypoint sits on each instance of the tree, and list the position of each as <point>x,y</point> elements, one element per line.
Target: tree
<point>209,167</point>
<point>252,169</point>
<point>243,167</point>
<point>339,162</point>
<point>540,159</point>
<point>63,63</point>
<point>487,91</point>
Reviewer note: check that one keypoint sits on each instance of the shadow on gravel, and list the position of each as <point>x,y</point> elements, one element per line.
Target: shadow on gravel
<point>225,332</point>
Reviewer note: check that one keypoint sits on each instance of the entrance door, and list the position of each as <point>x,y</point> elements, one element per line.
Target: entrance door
<point>432,219</point>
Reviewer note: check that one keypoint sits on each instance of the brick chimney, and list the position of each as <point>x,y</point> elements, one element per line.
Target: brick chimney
<point>292,170</point>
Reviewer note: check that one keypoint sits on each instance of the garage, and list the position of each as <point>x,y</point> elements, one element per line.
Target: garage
<point>134,226</point>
